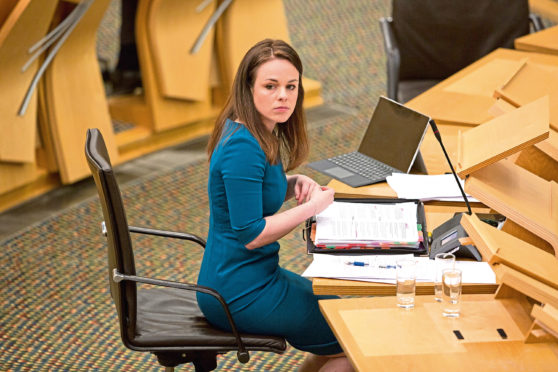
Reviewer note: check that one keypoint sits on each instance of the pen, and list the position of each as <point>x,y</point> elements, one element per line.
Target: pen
<point>357,263</point>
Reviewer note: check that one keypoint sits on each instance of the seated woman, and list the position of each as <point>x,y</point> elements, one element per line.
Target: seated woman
<point>260,135</point>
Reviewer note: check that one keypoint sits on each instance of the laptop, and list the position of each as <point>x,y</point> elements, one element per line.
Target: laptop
<point>390,145</point>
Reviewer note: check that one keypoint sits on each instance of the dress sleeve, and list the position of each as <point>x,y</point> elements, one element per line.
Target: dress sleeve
<point>243,171</point>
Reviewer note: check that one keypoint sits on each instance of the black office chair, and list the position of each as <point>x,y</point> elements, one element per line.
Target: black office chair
<point>427,41</point>
<point>165,321</point>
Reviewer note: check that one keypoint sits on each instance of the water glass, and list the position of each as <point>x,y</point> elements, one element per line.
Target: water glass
<point>406,282</point>
<point>451,292</point>
<point>441,261</point>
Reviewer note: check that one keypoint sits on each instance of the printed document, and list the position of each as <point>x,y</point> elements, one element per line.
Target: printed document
<point>344,222</point>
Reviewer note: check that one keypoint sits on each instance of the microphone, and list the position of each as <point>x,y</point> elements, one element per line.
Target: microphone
<point>439,138</point>
<point>448,237</point>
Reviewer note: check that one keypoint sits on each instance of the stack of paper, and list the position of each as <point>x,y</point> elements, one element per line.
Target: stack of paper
<point>367,224</point>
<point>426,187</point>
<point>381,268</point>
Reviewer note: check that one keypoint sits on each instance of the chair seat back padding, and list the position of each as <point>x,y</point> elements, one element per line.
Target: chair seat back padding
<point>437,38</point>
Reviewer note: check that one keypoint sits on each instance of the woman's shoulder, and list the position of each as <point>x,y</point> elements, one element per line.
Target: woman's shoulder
<point>236,134</point>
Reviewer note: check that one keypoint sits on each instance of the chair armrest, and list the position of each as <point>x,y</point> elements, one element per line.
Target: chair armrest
<point>536,22</point>
<point>168,234</point>
<point>393,58</point>
<point>242,354</point>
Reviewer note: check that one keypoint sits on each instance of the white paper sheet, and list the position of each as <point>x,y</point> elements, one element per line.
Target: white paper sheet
<point>427,187</point>
<point>381,268</point>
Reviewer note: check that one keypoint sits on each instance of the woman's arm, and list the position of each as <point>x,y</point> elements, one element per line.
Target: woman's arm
<point>281,224</point>
<point>243,178</point>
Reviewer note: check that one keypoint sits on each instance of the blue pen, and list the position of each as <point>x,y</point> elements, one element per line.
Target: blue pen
<point>357,263</point>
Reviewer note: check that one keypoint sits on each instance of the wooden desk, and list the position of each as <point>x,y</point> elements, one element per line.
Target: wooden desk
<point>466,97</point>
<point>545,41</point>
<point>378,336</point>
<point>323,286</point>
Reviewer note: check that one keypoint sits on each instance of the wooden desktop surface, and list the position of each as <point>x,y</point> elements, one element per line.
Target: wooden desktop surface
<point>378,336</point>
<point>466,97</point>
<point>545,41</point>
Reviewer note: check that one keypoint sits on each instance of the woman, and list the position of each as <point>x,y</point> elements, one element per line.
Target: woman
<point>260,134</point>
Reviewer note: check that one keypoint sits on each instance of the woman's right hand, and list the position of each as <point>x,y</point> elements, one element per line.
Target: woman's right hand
<point>321,197</point>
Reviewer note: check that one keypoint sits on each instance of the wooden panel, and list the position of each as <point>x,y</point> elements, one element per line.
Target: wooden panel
<point>351,319</point>
<point>451,107</point>
<point>545,41</point>
<point>324,286</point>
<point>76,97</point>
<point>548,316</point>
<point>519,195</point>
<point>497,246</point>
<point>174,26</point>
<point>26,24</point>
<point>522,233</point>
<point>533,81</point>
<point>14,175</point>
<point>6,6</point>
<point>526,285</point>
<point>162,113</point>
<point>539,163</point>
<point>503,136</point>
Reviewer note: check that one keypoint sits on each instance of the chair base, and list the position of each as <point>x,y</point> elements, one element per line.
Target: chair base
<point>203,361</point>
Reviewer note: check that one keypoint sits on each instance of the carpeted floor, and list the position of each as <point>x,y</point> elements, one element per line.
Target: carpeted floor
<point>56,312</point>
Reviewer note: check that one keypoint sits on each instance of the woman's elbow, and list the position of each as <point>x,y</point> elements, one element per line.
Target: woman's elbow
<point>256,243</point>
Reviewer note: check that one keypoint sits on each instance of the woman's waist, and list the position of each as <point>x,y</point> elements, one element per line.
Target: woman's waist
<point>241,287</point>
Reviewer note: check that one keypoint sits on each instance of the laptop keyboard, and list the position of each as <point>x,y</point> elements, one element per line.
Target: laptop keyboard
<point>363,165</point>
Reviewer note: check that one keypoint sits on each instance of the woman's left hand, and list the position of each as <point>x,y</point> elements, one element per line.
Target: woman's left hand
<point>303,188</point>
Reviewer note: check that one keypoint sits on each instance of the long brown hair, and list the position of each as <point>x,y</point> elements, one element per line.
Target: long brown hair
<point>289,142</point>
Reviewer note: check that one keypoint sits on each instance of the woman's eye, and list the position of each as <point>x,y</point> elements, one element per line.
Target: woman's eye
<point>291,87</point>
<point>269,86</point>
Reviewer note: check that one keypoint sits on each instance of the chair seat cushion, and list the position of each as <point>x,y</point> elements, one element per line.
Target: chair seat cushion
<point>409,89</point>
<point>171,317</point>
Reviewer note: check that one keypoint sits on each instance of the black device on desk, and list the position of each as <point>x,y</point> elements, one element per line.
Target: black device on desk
<point>450,236</point>
<point>390,145</point>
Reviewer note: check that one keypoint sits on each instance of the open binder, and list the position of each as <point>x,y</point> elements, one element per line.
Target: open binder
<point>418,248</point>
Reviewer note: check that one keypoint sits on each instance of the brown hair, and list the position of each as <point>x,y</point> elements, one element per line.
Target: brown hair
<point>289,141</point>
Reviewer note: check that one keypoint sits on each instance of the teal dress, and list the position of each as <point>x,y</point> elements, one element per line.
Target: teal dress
<point>263,297</point>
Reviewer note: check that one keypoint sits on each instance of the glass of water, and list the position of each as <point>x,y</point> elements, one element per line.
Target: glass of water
<point>451,292</point>
<point>406,282</point>
<point>441,261</point>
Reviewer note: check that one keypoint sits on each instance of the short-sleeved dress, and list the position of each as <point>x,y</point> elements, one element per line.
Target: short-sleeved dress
<point>263,297</point>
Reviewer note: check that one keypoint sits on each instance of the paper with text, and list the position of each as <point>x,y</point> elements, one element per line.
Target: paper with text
<point>344,222</point>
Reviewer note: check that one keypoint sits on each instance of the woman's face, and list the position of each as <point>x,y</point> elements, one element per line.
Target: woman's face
<point>275,91</point>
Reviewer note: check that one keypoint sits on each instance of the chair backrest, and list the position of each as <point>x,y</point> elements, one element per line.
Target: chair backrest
<point>120,253</point>
<point>437,38</point>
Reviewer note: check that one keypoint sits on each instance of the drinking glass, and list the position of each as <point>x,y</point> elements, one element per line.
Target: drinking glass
<point>441,261</point>
<point>451,292</point>
<point>406,282</point>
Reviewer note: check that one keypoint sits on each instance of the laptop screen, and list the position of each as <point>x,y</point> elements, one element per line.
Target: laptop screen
<point>394,134</point>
